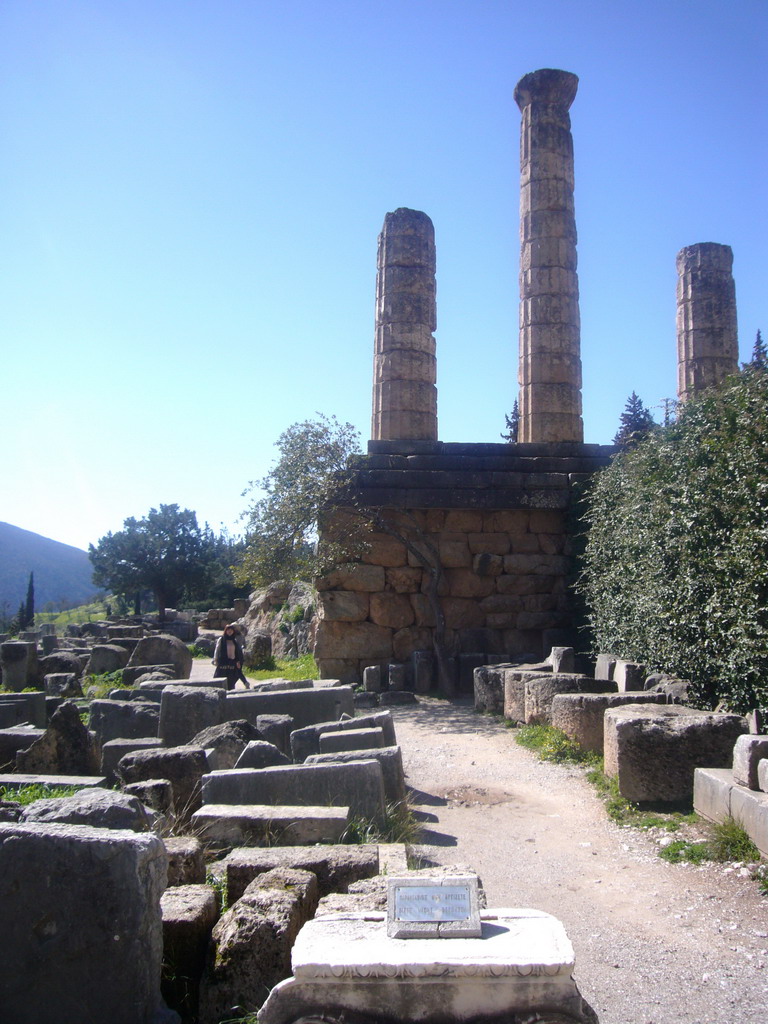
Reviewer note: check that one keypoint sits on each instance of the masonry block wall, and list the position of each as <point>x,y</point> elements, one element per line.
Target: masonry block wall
<point>498,514</point>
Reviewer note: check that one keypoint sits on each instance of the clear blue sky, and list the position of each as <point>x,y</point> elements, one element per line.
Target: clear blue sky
<point>191,193</point>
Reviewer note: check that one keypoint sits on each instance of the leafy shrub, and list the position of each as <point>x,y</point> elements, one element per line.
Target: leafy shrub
<point>676,561</point>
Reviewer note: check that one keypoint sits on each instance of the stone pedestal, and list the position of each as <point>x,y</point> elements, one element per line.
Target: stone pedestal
<point>550,358</point>
<point>404,365</point>
<point>345,965</point>
<point>707,338</point>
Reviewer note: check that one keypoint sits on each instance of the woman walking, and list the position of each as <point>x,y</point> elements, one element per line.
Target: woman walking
<point>228,658</point>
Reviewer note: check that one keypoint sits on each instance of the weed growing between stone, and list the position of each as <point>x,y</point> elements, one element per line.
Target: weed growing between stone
<point>219,884</point>
<point>25,795</point>
<point>553,745</point>
<point>730,842</point>
<point>399,826</point>
<point>100,686</point>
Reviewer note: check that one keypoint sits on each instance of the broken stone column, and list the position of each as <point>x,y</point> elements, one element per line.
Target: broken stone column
<point>707,339</point>
<point>404,365</point>
<point>550,356</point>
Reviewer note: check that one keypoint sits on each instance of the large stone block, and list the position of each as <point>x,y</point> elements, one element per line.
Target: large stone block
<point>353,640</point>
<point>66,747</point>
<point>750,809</point>
<point>113,750</point>
<point>189,913</point>
<point>252,942</point>
<point>336,867</point>
<point>580,715</point>
<point>305,707</point>
<point>106,658</point>
<point>81,926</point>
<point>162,649</point>
<point>747,754</point>
<point>390,759</point>
<point>392,610</point>
<point>127,720</point>
<point>186,710</point>
<point>712,793</point>
<point>355,577</point>
<point>342,605</point>
<point>97,807</point>
<point>31,708</point>
<point>184,768</point>
<point>653,749</point>
<point>306,741</point>
<point>629,675</point>
<point>489,688</point>
<point>540,691</point>
<point>358,785</point>
<point>341,740</point>
<point>224,743</point>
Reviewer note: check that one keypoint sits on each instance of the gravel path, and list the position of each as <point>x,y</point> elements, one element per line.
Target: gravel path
<point>655,943</point>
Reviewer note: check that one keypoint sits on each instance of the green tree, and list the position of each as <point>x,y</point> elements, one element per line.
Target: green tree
<point>635,423</point>
<point>676,561</point>
<point>166,553</point>
<point>759,360</point>
<point>29,605</point>
<point>311,491</point>
<point>309,478</point>
<point>512,421</point>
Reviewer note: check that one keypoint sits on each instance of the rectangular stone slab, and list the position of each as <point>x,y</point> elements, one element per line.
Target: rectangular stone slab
<point>253,824</point>
<point>358,785</point>
<point>346,962</point>
<point>18,779</point>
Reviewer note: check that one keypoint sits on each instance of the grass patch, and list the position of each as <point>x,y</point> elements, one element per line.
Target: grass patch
<point>730,842</point>
<point>682,851</point>
<point>553,745</point>
<point>304,667</point>
<point>100,686</point>
<point>624,812</point>
<point>399,826</point>
<point>25,795</point>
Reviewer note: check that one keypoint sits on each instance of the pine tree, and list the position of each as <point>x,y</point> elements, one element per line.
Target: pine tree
<point>29,606</point>
<point>759,353</point>
<point>635,422</point>
<point>512,423</point>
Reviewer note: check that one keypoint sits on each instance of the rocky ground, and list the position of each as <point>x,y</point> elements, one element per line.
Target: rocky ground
<point>654,942</point>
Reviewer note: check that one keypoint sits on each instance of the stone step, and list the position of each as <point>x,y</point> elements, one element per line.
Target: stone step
<point>717,796</point>
<point>18,779</point>
<point>283,824</point>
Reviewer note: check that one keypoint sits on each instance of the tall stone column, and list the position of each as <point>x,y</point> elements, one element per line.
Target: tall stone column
<point>707,338</point>
<point>404,365</point>
<point>550,356</point>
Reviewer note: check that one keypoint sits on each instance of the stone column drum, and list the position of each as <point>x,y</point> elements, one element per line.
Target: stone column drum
<point>404,366</point>
<point>550,356</point>
<point>707,338</point>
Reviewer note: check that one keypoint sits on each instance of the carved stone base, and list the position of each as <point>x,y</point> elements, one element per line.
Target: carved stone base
<point>345,966</point>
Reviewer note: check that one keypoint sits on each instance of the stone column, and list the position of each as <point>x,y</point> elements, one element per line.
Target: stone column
<point>707,339</point>
<point>550,358</point>
<point>404,365</point>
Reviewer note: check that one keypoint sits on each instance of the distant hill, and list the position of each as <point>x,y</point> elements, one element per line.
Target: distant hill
<point>61,571</point>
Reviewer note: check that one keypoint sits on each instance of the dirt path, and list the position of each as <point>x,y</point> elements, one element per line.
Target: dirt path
<point>655,943</point>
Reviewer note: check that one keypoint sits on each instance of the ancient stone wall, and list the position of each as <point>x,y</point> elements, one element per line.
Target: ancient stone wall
<point>497,517</point>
